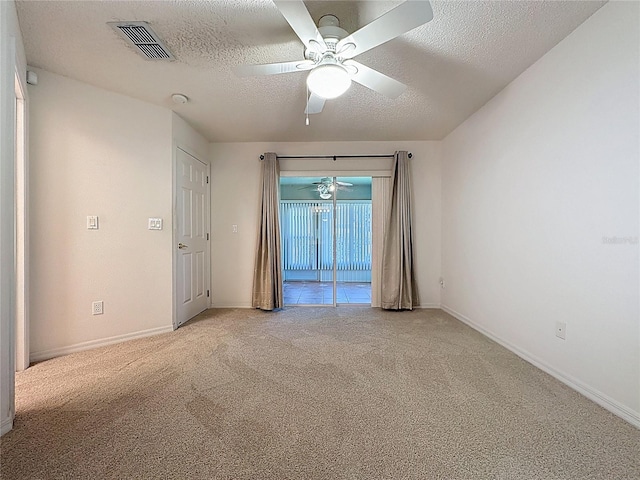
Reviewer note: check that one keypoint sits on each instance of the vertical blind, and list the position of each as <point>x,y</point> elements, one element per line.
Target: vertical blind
<point>307,229</point>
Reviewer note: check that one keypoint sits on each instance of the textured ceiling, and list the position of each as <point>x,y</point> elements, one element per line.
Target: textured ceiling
<point>452,65</point>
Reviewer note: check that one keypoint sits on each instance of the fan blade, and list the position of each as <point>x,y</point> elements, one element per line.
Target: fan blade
<point>344,184</point>
<point>375,80</point>
<point>273,68</point>
<point>316,104</point>
<point>296,14</point>
<point>323,181</point>
<point>403,18</point>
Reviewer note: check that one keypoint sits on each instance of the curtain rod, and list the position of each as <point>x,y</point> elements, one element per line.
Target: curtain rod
<point>334,157</point>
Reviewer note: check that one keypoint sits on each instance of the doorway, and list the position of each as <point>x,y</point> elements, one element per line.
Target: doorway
<point>191,237</point>
<point>326,237</point>
<point>21,228</point>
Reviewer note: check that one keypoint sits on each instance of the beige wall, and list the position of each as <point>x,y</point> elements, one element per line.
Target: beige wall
<point>97,153</point>
<point>188,139</point>
<point>532,184</point>
<point>235,200</point>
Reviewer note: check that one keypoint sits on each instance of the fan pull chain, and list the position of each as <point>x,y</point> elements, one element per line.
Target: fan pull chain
<point>307,120</point>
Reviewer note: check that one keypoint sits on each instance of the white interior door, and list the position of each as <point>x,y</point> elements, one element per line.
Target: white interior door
<point>192,239</point>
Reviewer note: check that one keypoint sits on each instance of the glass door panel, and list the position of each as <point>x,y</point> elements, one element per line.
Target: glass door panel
<point>353,239</point>
<point>306,223</point>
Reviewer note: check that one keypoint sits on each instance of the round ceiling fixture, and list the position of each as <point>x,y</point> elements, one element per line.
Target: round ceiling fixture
<point>179,98</point>
<point>329,79</point>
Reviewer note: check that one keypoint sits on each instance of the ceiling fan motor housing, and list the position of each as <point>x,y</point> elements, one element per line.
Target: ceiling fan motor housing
<point>329,28</point>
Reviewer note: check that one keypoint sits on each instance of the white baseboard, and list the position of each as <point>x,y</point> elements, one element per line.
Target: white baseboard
<point>591,393</point>
<point>79,347</point>
<point>429,305</point>
<point>6,425</point>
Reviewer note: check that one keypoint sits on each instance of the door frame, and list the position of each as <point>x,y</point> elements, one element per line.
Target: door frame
<point>21,159</point>
<point>378,214</point>
<point>175,222</point>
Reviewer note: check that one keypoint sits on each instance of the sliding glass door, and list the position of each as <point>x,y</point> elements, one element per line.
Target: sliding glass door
<point>326,240</point>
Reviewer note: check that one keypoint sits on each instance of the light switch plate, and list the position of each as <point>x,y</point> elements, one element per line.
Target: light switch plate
<point>92,222</point>
<point>561,330</point>
<point>155,223</point>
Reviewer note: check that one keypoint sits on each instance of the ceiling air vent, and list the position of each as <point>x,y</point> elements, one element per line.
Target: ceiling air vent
<point>145,41</point>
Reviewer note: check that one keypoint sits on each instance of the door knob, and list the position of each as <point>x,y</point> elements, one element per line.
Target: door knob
<point>182,245</point>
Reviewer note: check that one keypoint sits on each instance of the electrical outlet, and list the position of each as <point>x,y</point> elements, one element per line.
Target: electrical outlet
<point>442,284</point>
<point>97,308</point>
<point>561,330</point>
<point>234,228</point>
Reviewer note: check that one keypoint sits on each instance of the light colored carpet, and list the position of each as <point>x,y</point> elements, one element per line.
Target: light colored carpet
<point>310,393</point>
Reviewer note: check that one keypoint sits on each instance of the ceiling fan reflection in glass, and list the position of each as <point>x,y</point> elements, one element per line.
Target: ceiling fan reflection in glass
<point>325,191</point>
<point>328,185</point>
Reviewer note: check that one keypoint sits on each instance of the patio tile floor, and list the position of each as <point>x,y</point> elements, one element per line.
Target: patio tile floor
<point>321,293</point>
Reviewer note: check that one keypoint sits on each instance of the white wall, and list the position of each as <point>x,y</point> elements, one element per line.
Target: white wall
<point>11,59</point>
<point>235,177</point>
<point>94,152</point>
<point>188,139</point>
<point>531,184</point>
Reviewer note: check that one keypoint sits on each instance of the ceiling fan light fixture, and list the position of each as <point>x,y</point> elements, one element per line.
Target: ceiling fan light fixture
<point>329,80</point>
<point>324,191</point>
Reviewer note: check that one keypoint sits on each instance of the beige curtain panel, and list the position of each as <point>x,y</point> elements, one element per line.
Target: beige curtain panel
<point>399,290</point>
<point>267,275</point>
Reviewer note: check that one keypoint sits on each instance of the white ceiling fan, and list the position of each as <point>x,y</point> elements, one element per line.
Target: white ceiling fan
<point>326,186</point>
<point>329,50</point>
